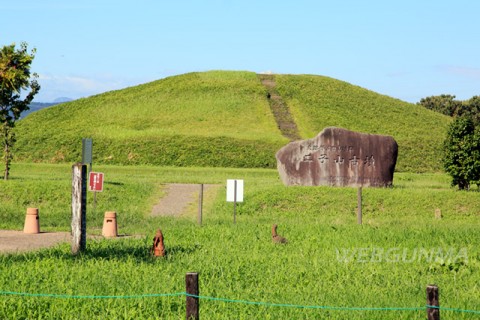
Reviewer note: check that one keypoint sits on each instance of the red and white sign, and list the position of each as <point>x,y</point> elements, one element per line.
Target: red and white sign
<point>95,182</point>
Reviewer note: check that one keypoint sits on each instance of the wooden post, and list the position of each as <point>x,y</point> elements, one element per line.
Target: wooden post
<point>359,205</point>
<point>200,205</point>
<point>79,208</point>
<point>432,300</point>
<point>193,305</point>
<point>234,201</point>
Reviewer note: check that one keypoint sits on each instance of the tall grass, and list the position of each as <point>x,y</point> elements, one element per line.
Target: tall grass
<point>240,261</point>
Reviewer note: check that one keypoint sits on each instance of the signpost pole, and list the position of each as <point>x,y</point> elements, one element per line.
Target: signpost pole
<point>200,205</point>
<point>94,201</point>
<point>359,205</point>
<point>234,201</point>
<point>234,194</point>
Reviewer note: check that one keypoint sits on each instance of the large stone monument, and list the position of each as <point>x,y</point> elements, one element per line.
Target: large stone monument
<point>339,157</point>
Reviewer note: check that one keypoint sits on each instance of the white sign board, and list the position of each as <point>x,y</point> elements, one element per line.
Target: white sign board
<point>233,184</point>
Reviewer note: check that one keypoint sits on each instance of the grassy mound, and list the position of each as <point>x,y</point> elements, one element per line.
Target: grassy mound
<point>197,119</point>
<point>222,119</point>
<point>318,102</point>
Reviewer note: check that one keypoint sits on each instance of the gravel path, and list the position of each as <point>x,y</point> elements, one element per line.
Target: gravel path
<point>17,241</point>
<point>178,197</point>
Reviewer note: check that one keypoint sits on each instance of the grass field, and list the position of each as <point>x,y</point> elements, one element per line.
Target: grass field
<point>209,127</point>
<point>330,260</point>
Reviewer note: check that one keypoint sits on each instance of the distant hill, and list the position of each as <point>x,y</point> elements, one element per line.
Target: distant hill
<point>35,106</point>
<point>62,99</point>
<point>223,118</point>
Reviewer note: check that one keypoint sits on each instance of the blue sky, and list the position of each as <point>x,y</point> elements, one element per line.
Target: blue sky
<point>406,49</point>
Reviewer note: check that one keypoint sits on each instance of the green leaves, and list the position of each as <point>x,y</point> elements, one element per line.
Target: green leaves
<point>14,77</point>
<point>15,67</point>
<point>462,152</point>
<point>445,104</point>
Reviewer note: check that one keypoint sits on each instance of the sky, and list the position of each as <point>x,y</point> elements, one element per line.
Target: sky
<point>407,49</point>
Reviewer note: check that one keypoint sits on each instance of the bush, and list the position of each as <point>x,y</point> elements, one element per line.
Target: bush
<point>462,153</point>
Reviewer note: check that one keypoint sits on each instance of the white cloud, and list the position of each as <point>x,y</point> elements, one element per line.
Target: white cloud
<point>75,86</point>
<point>463,71</point>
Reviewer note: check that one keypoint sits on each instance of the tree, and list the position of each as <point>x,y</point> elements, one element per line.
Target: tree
<point>15,76</point>
<point>472,109</point>
<point>444,103</point>
<point>462,152</point>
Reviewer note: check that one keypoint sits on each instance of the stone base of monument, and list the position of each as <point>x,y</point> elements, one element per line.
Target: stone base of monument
<point>339,157</point>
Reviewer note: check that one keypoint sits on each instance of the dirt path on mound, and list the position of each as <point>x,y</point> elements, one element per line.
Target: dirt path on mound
<point>280,109</point>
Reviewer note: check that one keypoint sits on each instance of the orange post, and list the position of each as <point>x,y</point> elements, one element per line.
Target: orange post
<point>32,222</point>
<point>110,224</point>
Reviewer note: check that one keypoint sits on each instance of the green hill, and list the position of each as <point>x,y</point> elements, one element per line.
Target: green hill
<point>318,102</point>
<point>222,118</point>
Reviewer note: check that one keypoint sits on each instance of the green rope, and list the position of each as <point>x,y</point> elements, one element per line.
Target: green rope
<point>25,294</point>
<point>267,304</point>
<point>331,308</point>
<point>454,309</point>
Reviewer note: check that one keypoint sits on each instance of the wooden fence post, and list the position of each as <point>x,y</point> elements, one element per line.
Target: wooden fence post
<point>200,205</point>
<point>432,300</point>
<point>359,205</point>
<point>79,208</point>
<point>193,303</point>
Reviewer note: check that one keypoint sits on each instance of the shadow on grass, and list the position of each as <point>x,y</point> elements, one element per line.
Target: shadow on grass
<point>114,183</point>
<point>105,250</point>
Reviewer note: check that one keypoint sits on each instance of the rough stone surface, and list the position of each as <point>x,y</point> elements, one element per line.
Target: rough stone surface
<point>339,157</point>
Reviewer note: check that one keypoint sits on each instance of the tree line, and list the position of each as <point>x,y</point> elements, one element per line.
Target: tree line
<point>461,147</point>
<point>447,105</point>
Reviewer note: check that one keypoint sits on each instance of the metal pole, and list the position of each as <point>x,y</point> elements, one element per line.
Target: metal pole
<point>94,201</point>
<point>359,205</point>
<point>200,205</point>
<point>234,201</point>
